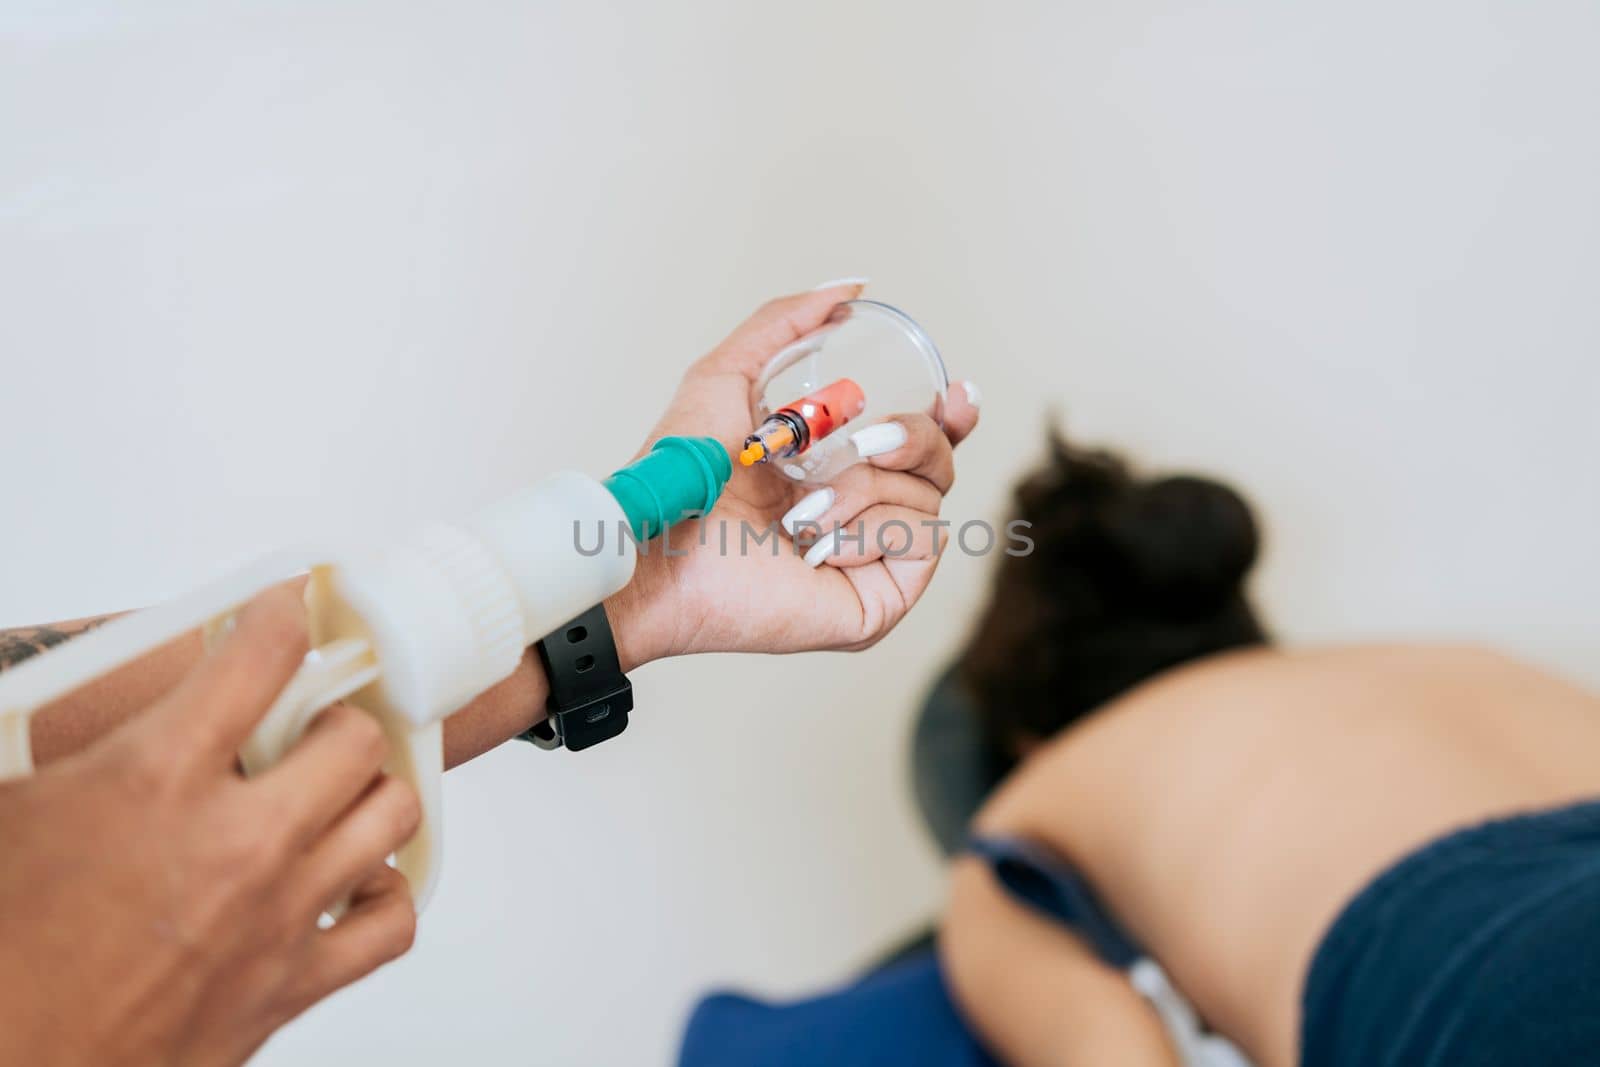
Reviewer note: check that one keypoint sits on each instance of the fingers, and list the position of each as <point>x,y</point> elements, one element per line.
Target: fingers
<point>778,323</point>
<point>910,443</point>
<point>887,508</point>
<point>882,532</point>
<point>910,462</point>
<point>379,823</point>
<point>961,404</point>
<point>212,711</point>
<point>380,926</point>
<point>326,770</point>
<point>857,489</point>
<point>915,443</point>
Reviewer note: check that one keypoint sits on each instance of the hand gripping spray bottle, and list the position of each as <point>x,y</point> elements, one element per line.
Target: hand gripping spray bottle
<point>411,632</point>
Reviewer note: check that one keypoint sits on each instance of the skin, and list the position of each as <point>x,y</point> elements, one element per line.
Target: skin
<point>202,890</point>
<point>698,599</point>
<point>157,908</point>
<point>1226,811</point>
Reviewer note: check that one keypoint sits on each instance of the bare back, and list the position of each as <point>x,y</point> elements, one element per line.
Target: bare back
<point>1227,810</point>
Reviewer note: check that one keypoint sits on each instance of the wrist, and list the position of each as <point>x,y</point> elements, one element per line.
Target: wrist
<point>654,616</point>
<point>632,629</point>
<point>502,712</point>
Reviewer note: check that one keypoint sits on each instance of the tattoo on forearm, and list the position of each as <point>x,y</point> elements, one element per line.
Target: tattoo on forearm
<point>28,641</point>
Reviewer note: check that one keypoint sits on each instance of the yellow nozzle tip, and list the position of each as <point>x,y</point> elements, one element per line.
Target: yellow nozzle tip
<point>752,455</point>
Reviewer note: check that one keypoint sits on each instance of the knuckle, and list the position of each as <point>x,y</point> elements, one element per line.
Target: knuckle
<point>144,768</point>
<point>876,485</point>
<point>361,733</point>
<point>245,864</point>
<point>262,856</point>
<point>861,481</point>
<point>286,635</point>
<point>401,932</point>
<point>403,811</point>
<point>918,428</point>
<point>278,621</point>
<point>257,844</point>
<point>385,882</point>
<point>374,744</point>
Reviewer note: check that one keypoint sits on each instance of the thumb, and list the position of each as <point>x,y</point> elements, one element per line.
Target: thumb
<point>776,324</point>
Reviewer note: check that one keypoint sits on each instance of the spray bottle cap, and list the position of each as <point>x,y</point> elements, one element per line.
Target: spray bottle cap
<point>679,477</point>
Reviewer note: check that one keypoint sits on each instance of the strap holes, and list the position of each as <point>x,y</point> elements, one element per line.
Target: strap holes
<point>576,634</point>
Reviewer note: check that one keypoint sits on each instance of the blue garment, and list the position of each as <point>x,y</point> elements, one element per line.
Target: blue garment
<point>1040,879</point>
<point>1479,950</point>
<point>902,1014</point>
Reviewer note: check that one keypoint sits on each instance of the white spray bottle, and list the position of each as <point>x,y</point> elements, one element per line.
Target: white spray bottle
<point>412,632</point>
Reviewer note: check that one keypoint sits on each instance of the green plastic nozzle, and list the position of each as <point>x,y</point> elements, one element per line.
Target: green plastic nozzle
<point>679,477</point>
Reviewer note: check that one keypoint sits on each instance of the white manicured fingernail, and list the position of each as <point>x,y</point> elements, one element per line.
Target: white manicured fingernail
<point>974,394</point>
<point>876,440</point>
<point>838,282</point>
<point>808,510</point>
<point>826,546</point>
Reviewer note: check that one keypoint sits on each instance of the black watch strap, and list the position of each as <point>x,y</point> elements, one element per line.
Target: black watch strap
<point>590,697</point>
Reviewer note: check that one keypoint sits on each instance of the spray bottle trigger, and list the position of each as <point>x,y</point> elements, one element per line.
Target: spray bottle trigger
<point>327,675</point>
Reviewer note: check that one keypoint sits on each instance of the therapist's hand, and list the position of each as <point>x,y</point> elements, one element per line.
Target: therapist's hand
<point>749,599</point>
<point>156,908</point>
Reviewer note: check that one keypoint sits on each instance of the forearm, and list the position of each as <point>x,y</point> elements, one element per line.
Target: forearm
<point>71,723</point>
<point>1037,994</point>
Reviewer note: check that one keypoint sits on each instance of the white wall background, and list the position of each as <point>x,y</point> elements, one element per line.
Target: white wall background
<point>269,271</point>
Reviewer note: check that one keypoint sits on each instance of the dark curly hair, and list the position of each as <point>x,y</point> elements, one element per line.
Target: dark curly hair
<point>1128,576</point>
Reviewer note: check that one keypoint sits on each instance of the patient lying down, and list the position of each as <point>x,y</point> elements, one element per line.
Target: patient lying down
<point>1206,848</point>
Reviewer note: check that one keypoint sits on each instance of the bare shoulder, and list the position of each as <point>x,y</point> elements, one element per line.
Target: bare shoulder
<point>1393,666</point>
<point>1263,714</point>
<point>1240,707</point>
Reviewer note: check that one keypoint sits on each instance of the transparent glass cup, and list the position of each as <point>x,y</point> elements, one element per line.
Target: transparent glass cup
<point>881,349</point>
